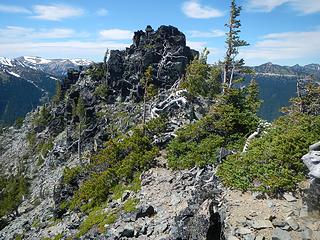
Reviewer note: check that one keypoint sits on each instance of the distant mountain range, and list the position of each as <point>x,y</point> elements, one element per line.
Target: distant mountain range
<point>25,81</point>
<point>278,85</point>
<point>293,71</point>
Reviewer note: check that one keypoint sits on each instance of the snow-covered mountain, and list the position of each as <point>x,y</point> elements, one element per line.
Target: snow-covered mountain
<point>25,81</point>
<point>56,67</point>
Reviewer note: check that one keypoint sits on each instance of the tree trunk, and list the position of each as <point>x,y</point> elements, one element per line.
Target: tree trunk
<point>231,77</point>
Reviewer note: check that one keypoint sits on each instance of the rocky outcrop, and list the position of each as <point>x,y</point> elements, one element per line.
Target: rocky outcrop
<point>164,50</point>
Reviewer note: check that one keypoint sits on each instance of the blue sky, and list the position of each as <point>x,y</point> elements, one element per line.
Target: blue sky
<point>280,31</point>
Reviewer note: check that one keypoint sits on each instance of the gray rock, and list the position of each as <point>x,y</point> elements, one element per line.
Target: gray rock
<point>243,231</point>
<point>278,223</point>
<point>312,161</point>
<point>127,232</point>
<point>292,223</point>
<point>249,237</point>
<point>289,197</point>
<point>316,235</point>
<point>145,211</point>
<point>279,234</point>
<point>261,224</point>
<point>306,234</point>
<point>258,195</point>
<point>232,238</point>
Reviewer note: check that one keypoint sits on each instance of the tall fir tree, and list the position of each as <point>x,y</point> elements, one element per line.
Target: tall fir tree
<point>230,64</point>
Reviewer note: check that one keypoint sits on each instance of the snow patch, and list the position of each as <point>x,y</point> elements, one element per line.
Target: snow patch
<point>56,79</point>
<point>6,61</point>
<point>36,60</point>
<point>82,62</point>
<point>14,74</point>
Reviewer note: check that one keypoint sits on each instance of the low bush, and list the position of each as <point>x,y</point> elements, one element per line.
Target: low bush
<point>13,189</point>
<point>101,90</point>
<point>118,163</point>
<point>130,205</point>
<point>273,162</point>
<point>99,218</point>
<point>231,120</point>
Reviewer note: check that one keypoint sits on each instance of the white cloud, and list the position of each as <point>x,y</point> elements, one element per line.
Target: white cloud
<point>13,9</point>
<point>66,49</point>
<point>199,46</point>
<point>116,34</point>
<point>18,34</point>
<point>56,12</point>
<point>302,6</point>
<point>53,43</point>
<point>193,9</point>
<point>209,34</point>
<point>102,12</point>
<point>284,47</point>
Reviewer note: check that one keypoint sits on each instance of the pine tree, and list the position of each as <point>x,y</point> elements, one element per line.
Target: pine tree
<point>57,97</point>
<point>233,41</point>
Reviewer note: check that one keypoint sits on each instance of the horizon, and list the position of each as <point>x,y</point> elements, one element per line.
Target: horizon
<point>284,32</point>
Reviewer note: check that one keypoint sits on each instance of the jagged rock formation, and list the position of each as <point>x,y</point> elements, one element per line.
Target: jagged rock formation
<point>164,49</point>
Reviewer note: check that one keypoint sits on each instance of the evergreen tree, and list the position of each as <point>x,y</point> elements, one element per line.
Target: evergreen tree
<point>58,96</point>
<point>201,78</point>
<point>233,41</point>
<point>307,100</point>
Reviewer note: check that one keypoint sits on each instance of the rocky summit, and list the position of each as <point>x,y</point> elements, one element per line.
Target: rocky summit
<point>164,49</point>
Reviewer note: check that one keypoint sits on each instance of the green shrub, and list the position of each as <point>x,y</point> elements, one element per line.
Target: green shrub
<point>96,72</point>
<point>42,118</point>
<point>98,217</point>
<point>201,78</point>
<point>130,205</point>
<point>273,162</point>
<point>119,189</point>
<point>101,90</point>
<point>31,138</point>
<point>70,174</point>
<point>19,237</point>
<point>44,147</point>
<point>231,120</point>
<point>118,163</point>
<point>13,190</point>
<point>19,122</point>
<point>156,126</point>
